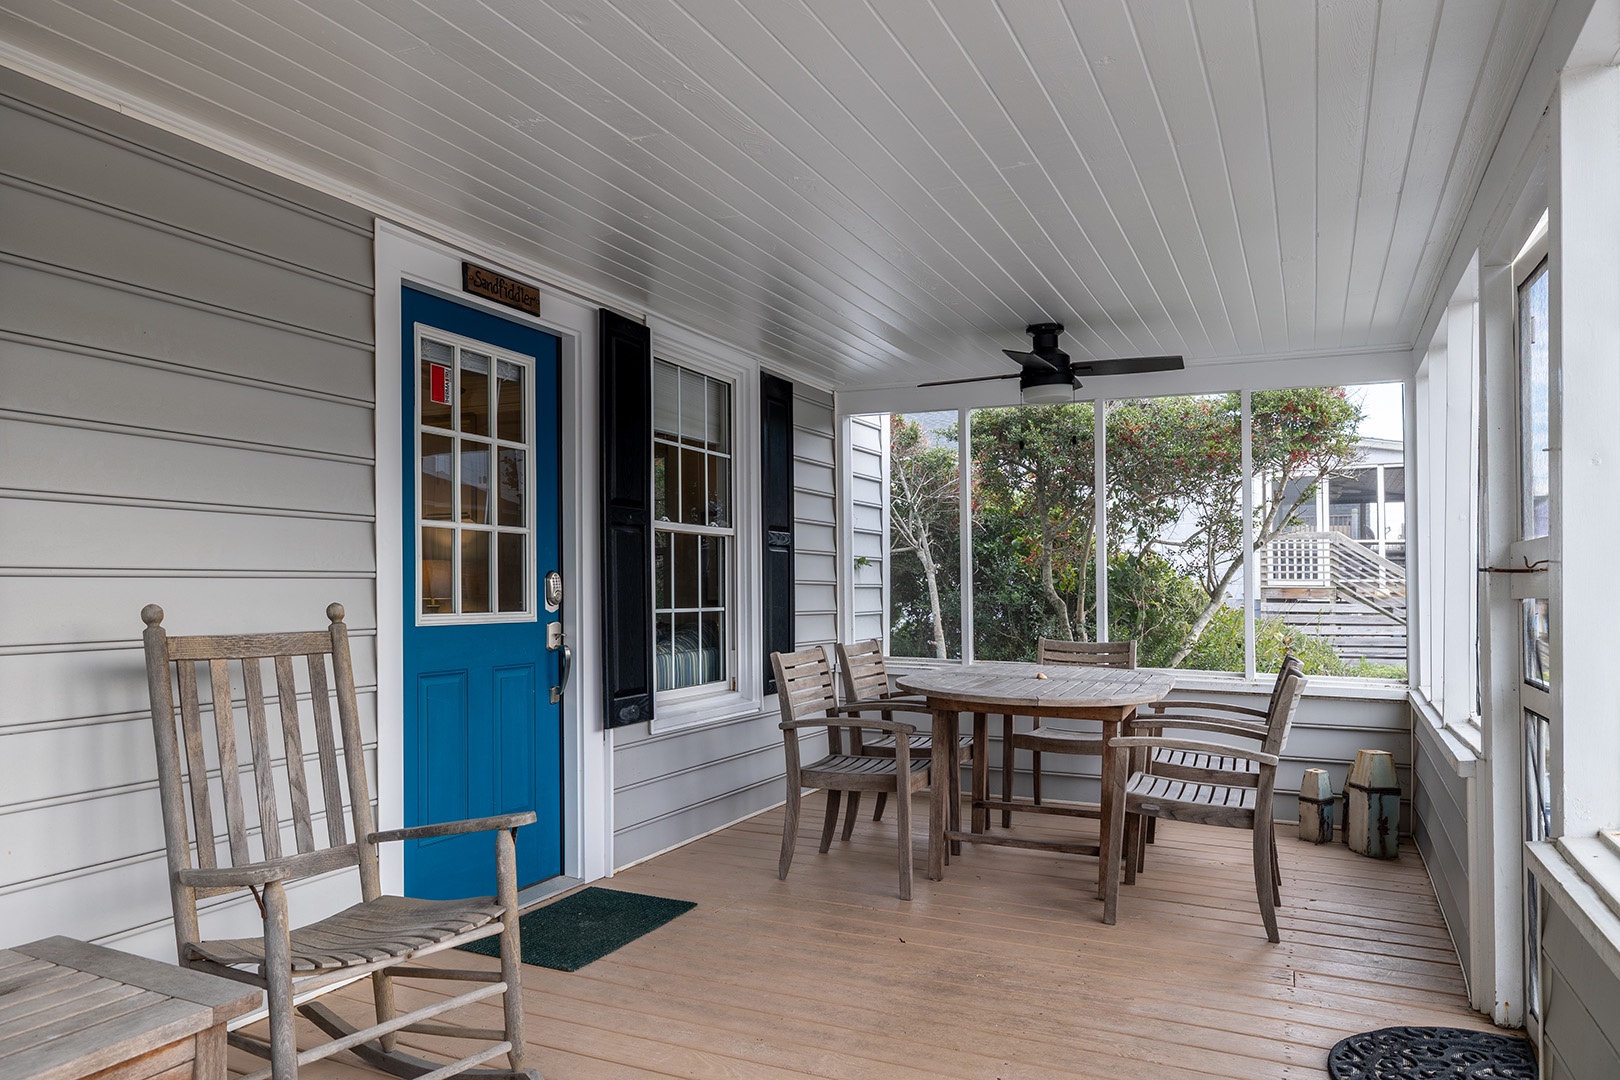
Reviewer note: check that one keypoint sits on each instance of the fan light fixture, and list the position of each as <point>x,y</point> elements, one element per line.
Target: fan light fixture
<point>1058,393</point>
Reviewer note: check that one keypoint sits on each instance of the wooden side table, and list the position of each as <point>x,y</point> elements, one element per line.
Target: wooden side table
<point>70,1010</point>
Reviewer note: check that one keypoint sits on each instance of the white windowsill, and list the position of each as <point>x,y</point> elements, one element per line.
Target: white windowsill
<point>697,711</point>
<point>1582,876</point>
<point>1460,745</point>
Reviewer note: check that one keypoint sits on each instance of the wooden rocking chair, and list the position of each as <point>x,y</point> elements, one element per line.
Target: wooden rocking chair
<point>378,936</point>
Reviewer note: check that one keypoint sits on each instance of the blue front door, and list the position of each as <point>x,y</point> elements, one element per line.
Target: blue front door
<point>481,530</point>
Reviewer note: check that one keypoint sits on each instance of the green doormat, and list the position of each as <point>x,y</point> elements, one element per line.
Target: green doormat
<point>585,926</point>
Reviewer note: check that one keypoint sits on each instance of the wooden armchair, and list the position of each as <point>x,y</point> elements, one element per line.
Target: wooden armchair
<point>865,678</point>
<point>1219,717</point>
<point>378,936</point>
<point>1041,740</point>
<point>1214,783</point>
<point>805,691</point>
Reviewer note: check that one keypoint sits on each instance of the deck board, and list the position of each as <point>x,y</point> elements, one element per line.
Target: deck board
<point>1002,970</point>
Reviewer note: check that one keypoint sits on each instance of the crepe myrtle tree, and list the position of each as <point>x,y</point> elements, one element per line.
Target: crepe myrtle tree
<point>923,477</point>
<point>1033,502</point>
<point>1176,479</point>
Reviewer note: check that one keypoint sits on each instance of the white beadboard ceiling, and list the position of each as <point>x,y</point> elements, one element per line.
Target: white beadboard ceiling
<point>875,192</point>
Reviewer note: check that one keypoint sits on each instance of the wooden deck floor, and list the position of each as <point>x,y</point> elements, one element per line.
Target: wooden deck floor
<point>1002,970</point>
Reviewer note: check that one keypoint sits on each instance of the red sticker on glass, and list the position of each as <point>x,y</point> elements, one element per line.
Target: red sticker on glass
<point>439,384</point>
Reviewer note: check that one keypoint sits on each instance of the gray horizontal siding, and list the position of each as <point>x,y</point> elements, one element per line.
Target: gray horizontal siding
<point>1580,1011</point>
<point>672,786</point>
<point>868,455</point>
<point>186,418</point>
<point>1440,828</point>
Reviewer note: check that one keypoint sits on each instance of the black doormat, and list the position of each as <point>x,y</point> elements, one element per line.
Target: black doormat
<point>1431,1053</point>
<point>585,926</point>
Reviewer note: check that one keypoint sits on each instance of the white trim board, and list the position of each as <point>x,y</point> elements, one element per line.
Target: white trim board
<point>406,257</point>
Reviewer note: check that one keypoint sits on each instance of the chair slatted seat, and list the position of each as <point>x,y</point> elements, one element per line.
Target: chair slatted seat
<point>865,678</point>
<point>1048,740</point>
<point>240,813</point>
<point>808,699</point>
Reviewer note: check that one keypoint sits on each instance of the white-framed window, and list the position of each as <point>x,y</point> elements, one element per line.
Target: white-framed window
<point>475,476</point>
<point>694,532</point>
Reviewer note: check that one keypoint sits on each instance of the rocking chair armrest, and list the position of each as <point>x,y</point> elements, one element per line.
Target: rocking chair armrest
<point>893,726</point>
<point>1197,746</point>
<point>454,828</point>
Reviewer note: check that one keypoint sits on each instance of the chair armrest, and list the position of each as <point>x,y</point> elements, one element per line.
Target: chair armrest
<point>894,726</point>
<point>454,828</point>
<point>859,709</point>
<point>1197,746</point>
<point>287,868</point>
<point>1201,723</point>
<point>1210,706</point>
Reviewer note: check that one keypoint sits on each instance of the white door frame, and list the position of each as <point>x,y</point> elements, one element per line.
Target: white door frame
<point>407,258</point>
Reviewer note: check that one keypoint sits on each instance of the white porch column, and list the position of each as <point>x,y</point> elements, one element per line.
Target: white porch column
<point>1585,446</point>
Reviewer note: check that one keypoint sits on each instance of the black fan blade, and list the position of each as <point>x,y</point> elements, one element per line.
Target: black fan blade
<point>1126,365</point>
<point>976,378</point>
<point>1033,362</point>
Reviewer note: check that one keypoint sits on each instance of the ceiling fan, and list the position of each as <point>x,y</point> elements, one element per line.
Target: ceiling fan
<point>1048,375</point>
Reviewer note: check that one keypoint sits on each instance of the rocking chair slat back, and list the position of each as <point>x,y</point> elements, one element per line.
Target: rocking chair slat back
<point>293,739</point>
<point>259,756</point>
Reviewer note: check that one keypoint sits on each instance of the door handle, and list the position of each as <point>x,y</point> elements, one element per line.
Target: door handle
<point>567,670</point>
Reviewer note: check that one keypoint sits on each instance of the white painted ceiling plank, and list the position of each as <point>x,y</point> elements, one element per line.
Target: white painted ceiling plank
<point>1344,56</point>
<point>1405,47</point>
<point>1287,35</point>
<point>1232,48</point>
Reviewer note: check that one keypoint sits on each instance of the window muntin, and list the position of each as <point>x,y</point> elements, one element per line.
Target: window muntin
<point>1535,471</point>
<point>694,532</point>
<point>474,475</point>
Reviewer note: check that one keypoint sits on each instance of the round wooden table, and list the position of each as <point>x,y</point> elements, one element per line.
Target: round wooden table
<point>1110,695</point>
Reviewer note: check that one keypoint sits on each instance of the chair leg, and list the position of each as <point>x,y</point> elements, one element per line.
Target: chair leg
<point>830,823</point>
<point>955,788</point>
<point>1006,769</point>
<point>382,994</point>
<point>1133,837</point>
<point>1262,881</point>
<point>1035,776</point>
<point>881,800</point>
<point>511,943</point>
<point>790,830</point>
<point>849,815</point>
<point>1276,870</point>
<point>902,822</point>
<point>278,976</point>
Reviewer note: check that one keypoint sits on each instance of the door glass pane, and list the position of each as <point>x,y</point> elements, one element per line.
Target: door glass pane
<point>475,483</point>
<point>437,391</point>
<point>1534,468</point>
<point>437,571</point>
<point>474,393</point>
<point>509,401</point>
<point>511,484</point>
<point>474,572</point>
<point>1537,645</point>
<point>510,571</point>
<point>437,466</point>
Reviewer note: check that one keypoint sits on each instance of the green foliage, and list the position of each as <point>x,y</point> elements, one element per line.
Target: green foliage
<point>1220,647</point>
<point>1175,483</point>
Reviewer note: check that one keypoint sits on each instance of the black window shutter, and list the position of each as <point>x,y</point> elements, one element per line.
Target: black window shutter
<point>627,616</point>
<point>776,481</point>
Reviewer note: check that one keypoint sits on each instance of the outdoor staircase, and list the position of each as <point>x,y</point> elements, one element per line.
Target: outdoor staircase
<point>1333,587</point>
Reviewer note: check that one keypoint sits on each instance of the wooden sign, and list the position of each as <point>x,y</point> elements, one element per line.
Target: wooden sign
<point>481,281</point>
